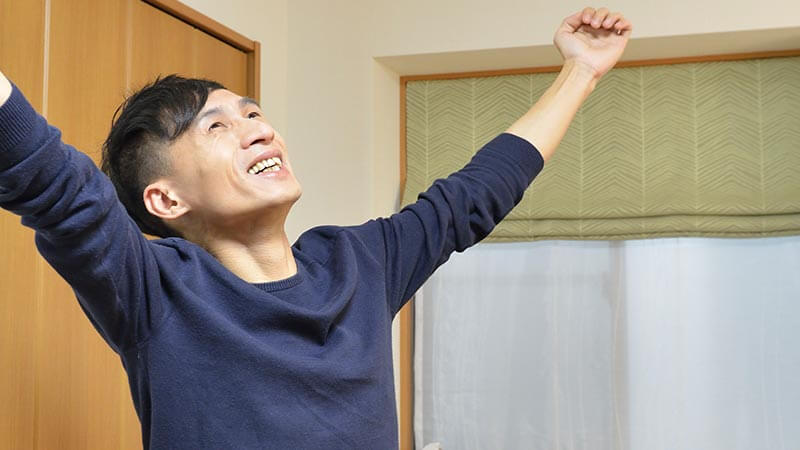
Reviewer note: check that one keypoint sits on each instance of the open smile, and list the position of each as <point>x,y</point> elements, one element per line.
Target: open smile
<point>273,164</point>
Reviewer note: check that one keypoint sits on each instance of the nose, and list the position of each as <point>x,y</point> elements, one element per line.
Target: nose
<point>256,132</point>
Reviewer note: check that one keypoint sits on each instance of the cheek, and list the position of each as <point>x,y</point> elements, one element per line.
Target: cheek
<point>215,161</point>
<point>207,169</point>
<point>223,182</point>
<point>216,142</point>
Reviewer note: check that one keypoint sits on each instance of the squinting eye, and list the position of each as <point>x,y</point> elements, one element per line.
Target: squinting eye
<point>253,114</point>
<point>215,125</point>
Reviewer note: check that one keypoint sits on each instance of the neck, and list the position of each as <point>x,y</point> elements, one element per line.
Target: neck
<point>259,253</point>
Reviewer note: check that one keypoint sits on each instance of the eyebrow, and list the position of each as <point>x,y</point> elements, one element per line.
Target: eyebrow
<point>208,112</point>
<point>243,102</point>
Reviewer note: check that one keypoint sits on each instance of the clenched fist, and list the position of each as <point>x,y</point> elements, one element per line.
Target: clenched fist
<point>593,37</point>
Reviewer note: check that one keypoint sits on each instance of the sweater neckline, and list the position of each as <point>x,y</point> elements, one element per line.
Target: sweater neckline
<point>232,279</point>
<point>271,286</point>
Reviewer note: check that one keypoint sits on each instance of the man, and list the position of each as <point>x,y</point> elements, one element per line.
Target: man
<point>231,337</point>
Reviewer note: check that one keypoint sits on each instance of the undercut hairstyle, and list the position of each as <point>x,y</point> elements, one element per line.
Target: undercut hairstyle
<point>136,152</point>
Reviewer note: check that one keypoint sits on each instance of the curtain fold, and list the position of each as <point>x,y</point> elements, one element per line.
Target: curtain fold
<point>650,344</point>
<point>702,149</point>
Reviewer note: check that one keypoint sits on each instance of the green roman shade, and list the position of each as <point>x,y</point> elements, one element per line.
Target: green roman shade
<point>699,149</point>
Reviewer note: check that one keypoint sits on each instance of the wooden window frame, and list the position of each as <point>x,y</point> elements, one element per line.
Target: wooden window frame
<point>405,316</point>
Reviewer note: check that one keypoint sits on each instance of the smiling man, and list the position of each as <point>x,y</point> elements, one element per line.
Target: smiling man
<point>232,337</point>
<point>191,159</point>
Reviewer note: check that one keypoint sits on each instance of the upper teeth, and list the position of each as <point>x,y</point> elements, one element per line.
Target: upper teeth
<point>271,164</point>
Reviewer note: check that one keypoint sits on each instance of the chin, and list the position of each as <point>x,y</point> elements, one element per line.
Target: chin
<point>285,202</point>
<point>294,195</point>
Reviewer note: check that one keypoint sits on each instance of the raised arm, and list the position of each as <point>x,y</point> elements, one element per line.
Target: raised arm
<point>591,43</point>
<point>461,210</point>
<point>81,228</point>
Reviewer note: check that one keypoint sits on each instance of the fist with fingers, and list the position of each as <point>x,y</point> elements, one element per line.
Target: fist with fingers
<point>595,38</point>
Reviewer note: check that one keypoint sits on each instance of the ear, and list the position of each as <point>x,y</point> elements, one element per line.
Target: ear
<point>163,202</point>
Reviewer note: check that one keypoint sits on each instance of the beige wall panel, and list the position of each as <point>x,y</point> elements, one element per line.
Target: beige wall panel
<point>22,60</point>
<point>161,45</point>
<point>79,402</point>
<point>220,62</point>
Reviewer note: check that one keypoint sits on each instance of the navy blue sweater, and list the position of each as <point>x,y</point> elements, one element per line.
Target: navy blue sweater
<point>216,362</point>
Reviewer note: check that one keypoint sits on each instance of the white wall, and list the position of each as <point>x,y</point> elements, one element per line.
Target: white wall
<point>452,25</point>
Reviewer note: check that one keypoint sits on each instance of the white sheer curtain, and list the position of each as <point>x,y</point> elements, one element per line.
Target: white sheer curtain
<point>654,344</point>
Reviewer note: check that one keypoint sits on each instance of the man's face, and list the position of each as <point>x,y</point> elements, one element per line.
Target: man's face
<point>232,166</point>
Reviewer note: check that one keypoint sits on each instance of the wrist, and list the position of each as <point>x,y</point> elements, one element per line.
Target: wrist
<point>580,74</point>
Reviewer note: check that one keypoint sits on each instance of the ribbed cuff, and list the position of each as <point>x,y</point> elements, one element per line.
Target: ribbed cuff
<point>17,120</point>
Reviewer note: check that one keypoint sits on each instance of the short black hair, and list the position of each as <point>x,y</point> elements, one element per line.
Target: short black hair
<point>135,152</point>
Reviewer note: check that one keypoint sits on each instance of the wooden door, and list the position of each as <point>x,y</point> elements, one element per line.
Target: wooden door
<point>75,60</point>
<point>22,59</point>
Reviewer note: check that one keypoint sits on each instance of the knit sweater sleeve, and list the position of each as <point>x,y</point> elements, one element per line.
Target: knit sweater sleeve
<point>455,213</point>
<point>82,230</point>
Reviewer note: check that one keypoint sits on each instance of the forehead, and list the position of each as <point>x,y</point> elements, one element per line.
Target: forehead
<point>222,98</point>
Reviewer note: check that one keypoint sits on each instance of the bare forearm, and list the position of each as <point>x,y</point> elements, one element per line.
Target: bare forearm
<point>5,89</point>
<point>545,124</point>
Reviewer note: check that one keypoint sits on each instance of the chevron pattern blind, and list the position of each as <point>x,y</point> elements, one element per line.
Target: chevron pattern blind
<point>701,149</point>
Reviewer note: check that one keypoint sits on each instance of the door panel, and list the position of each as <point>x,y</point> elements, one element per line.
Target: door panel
<point>22,60</point>
<point>79,398</point>
<point>161,45</point>
<point>220,62</point>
